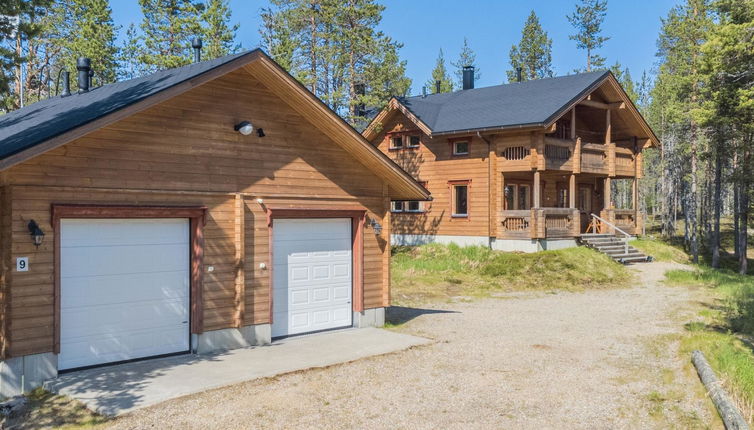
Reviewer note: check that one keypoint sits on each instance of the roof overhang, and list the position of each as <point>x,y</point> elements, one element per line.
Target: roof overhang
<point>262,67</point>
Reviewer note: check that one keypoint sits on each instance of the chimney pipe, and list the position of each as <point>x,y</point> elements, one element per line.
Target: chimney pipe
<point>83,65</point>
<point>518,74</point>
<point>437,86</point>
<point>91,79</point>
<point>196,43</point>
<point>424,91</point>
<point>468,77</point>
<point>66,84</point>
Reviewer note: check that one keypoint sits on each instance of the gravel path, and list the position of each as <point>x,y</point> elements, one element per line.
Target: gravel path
<point>597,359</point>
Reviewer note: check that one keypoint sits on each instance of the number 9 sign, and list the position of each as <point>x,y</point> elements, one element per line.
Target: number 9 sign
<point>22,264</point>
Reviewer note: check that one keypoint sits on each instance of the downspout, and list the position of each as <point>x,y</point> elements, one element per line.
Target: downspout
<point>489,189</point>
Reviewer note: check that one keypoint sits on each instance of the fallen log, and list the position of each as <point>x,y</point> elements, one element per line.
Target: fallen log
<point>728,411</point>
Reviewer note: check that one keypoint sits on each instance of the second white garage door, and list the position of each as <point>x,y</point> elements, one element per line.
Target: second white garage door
<point>124,289</point>
<point>312,279</point>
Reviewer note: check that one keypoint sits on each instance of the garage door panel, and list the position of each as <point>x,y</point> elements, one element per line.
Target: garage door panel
<point>94,290</point>
<point>124,289</point>
<point>111,232</point>
<point>311,275</point>
<point>107,260</point>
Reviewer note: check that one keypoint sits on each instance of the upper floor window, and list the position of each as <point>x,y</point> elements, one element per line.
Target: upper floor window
<point>413,141</point>
<point>461,147</point>
<point>396,142</point>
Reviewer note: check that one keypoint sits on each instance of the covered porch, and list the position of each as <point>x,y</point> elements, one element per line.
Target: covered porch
<point>559,205</point>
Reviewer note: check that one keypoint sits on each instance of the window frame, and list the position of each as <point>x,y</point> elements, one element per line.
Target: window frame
<point>408,144</point>
<point>460,154</point>
<point>452,185</point>
<point>393,138</point>
<point>517,186</point>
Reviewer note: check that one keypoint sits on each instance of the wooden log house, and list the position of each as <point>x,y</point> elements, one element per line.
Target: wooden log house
<point>518,167</point>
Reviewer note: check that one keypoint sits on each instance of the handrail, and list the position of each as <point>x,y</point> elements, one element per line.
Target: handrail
<point>625,239</point>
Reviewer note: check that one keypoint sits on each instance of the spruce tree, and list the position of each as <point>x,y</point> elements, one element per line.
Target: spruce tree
<point>533,54</point>
<point>440,74</point>
<point>587,20</point>
<point>89,32</point>
<point>623,75</point>
<point>467,57</point>
<point>128,57</point>
<point>219,34</point>
<point>168,28</point>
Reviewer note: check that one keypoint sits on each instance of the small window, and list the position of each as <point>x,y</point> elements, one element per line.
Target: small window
<point>524,191</point>
<point>413,141</point>
<point>396,206</point>
<point>460,148</point>
<point>460,200</point>
<point>413,206</point>
<point>396,142</point>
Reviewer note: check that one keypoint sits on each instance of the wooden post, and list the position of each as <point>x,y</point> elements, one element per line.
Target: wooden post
<point>537,190</point>
<point>607,194</point>
<point>573,123</point>
<point>635,195</point>
<point>577,156</point>
<point>609,144</point>
<point>572,191</point>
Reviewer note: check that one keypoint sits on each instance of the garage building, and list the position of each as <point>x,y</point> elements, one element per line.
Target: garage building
<point>213,206</point>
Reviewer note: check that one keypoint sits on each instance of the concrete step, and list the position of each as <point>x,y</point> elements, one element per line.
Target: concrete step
<point>633,259</point>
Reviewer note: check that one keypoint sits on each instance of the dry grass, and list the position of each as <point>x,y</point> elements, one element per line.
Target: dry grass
<point>49,411</point>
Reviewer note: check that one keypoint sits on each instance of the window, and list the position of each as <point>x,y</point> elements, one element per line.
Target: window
<point>396,142</point>
<point>396,206</point>
<point>413,141</point>
<point>460,200</point>
<point>562,197</point>
<point>413,206</point>
<point>517,197</point>
<point>461,148</point>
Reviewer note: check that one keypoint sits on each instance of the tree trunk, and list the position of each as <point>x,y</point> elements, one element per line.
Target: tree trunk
<point>715,241</point>
<point>692,210</point>
<point>736,207</point>
<point>743,233</point>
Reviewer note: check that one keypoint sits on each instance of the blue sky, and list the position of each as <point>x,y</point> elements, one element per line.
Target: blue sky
<point>425,26</point>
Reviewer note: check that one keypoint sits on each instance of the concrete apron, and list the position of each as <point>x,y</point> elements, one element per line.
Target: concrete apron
<point>115,390</point>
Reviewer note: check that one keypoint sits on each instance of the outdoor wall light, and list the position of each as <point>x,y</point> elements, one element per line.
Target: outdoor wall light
<point>376,226</point>
<point>260,132</point>
<point>37,235</point>
<point>244,127</point>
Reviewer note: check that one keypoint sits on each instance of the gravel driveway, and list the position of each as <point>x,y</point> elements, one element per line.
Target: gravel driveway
<point>597,359</point>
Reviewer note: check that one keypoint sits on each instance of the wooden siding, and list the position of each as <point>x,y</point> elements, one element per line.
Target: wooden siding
<point>434,164</point>
<point>184,151</point>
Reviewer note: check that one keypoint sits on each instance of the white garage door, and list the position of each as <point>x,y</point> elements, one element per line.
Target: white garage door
<point>311,275</point>
<point>124,289</point>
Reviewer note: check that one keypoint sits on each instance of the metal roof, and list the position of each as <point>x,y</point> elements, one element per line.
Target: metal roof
<point>43,120</point>
<point>517,104</point>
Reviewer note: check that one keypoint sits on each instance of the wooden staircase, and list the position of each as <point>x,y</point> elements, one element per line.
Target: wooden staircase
<point>614,247</point>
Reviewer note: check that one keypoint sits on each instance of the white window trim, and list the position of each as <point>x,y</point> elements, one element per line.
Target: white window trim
<point>403,143</point>
<point>455,146</point>
<point>408,141</point>
<point>406,207</point>
<point>393,206</point>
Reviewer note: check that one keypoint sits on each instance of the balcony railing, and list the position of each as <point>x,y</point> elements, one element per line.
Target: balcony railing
<point>627,220</point>
<point>539,223</point>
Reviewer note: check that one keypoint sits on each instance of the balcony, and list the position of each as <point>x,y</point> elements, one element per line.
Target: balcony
<point>539,223</point>
<point>569,155</point>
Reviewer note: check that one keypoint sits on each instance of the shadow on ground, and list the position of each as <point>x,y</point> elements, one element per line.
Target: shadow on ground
<point>401,314</point>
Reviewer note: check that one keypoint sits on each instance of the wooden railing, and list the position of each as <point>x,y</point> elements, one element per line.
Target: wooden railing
<point>539,223</point>
<point>626,219</point>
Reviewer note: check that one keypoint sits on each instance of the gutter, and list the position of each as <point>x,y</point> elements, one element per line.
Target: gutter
<point>485,129</point>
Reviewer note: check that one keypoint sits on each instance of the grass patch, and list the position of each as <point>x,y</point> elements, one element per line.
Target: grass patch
<point>727,317</point>
<point>46,410</point>
<point>661,250</point>
<point>441,272</point>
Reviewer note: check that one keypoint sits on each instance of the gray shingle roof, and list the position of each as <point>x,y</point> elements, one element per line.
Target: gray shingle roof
<point>38,122</point>
<point>523,103</point>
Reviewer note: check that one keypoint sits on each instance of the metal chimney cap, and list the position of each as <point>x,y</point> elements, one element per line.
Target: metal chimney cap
<point>196,43</point>
<point>83,63</point>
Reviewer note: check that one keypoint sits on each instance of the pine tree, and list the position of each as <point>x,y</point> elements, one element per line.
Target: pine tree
<point>533,54</point>
<point>89,32</point>
<point>219,35</point>
<point>440,74</point>
<point>168,28</point>
<point>20,23</point>
<point>467,57</point>
<point>334,49</point>
<point>129,65</point>
<point>587,20</point>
